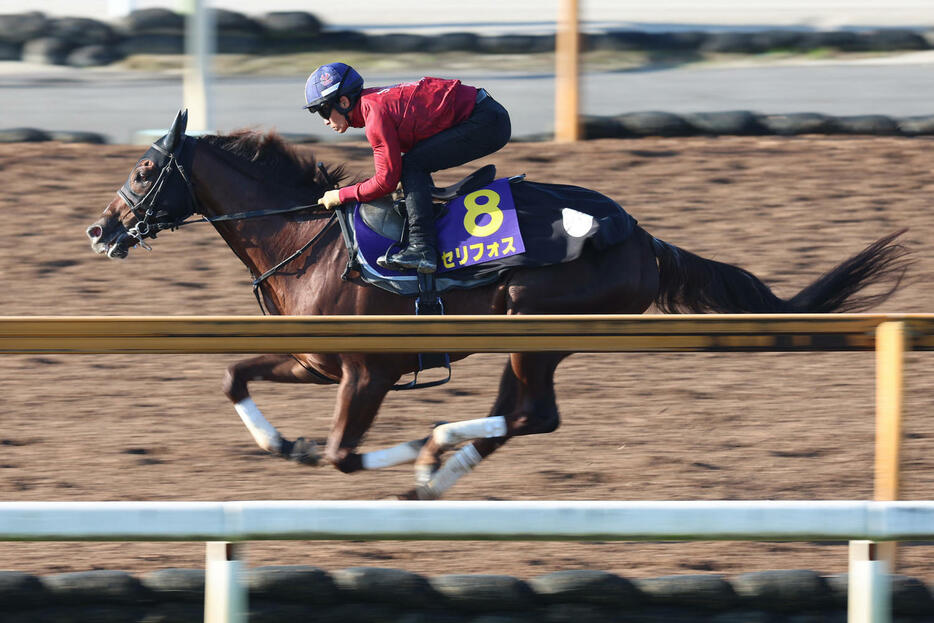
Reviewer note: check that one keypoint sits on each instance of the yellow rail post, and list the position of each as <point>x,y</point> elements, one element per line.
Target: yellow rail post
<point>890,353</point>
<point>567,87</point>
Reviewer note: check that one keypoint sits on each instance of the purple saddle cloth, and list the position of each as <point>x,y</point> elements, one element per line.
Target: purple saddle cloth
<point>483,234</point>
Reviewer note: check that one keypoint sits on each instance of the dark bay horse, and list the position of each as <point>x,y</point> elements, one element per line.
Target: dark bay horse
<point>223,177</point>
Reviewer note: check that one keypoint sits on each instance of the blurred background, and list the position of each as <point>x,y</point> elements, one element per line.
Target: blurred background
<point>119,64</point>
<point>436,16</point>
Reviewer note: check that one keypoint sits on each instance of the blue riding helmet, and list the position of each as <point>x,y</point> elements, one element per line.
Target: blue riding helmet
<point>327,84</point>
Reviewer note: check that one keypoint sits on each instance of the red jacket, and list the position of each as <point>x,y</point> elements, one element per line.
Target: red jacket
<point>396,118</point>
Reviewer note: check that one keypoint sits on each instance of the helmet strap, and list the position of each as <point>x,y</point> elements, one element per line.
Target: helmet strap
<point>344,111</point>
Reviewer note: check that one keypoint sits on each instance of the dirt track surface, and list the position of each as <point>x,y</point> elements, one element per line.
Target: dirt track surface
<point>635,427</point>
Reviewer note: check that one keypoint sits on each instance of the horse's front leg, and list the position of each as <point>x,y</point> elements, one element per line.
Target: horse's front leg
<point>280,368</point>
<point>362,390</point>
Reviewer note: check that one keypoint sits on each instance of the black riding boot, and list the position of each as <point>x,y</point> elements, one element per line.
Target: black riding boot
<point>422,250</point>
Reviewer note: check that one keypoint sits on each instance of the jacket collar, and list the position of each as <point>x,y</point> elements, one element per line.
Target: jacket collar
<point>355,116</point>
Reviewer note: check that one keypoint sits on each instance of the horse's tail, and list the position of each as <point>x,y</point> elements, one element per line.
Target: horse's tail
<point>690,283</point>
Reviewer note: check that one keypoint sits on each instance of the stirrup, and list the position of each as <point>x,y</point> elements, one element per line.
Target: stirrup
<point>424,266</point>
<point>428,303</point>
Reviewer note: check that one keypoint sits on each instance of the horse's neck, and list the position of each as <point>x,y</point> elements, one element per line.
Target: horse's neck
<point>260,243</point>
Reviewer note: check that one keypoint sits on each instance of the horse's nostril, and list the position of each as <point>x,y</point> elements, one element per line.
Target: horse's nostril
<point>94,232</point>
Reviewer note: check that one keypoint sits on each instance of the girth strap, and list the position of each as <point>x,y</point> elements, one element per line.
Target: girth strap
<point>428,303</point>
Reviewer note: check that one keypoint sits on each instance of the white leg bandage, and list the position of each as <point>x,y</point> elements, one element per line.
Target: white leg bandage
<point>423,474</point>
<point>396,455</point>
<point>448,435</point>
<point>460,464</point>
<point>265,434</point>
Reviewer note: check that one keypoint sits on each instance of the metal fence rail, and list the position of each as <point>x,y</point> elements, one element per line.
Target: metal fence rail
<point>455,520</point>
<point>226,592</point>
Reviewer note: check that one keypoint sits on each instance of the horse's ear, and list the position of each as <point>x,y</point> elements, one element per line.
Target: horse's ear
<point>174,138</point>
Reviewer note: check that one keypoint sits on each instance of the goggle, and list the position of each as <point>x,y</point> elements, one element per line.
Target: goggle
<point>323,109</point>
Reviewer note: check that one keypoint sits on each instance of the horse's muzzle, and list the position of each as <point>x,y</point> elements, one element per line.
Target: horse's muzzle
<point>114,244</point>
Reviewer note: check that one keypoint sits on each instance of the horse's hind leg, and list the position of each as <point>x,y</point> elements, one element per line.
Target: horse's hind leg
<point>525,406</point>
<point>280,368</point>
<point>505,402</point>
<point>471,454</point>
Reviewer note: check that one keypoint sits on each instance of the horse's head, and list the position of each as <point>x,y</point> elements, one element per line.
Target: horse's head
<point>157,195</point>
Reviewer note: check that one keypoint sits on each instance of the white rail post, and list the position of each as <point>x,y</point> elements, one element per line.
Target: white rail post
<point>225,589</point>
<point>869,594</point>
<point>200,34</point>
<point>120,8</point>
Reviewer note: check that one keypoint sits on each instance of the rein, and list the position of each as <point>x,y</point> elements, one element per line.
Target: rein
<point>147,226</point>
<point>239,216</point>
<point>258,281</point>
<point>172,163</point>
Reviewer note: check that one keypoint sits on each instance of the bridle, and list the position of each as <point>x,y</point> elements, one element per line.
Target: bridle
<point>150,214</point>
<point>144,207</point>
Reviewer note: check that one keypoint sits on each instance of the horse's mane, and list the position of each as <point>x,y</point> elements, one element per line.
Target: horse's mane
<point>280,160</point>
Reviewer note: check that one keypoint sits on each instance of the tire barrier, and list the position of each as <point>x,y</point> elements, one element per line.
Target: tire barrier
<point>636,125</point>
<point>33,135</point>
<point>279,593</point>
<point>161,31</point>
<point>747,123</point>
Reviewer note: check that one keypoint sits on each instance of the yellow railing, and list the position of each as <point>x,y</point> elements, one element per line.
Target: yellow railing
<point>590,333</point>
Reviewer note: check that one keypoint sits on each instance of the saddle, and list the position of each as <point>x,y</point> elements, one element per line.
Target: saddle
<point>485,228</point>
<point>387,217</point>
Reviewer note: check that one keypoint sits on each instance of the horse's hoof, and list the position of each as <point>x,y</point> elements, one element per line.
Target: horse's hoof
<point>418,493</point>
<point>304,451</point>
<point>424,492</point>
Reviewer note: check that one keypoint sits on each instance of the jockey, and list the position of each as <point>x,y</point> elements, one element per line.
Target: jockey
<point>436,123</point>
